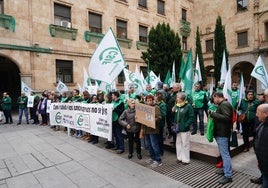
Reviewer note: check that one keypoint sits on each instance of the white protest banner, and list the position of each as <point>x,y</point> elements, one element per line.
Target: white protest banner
<point>145,114</point>
<point>93,118</point>
<point>30,101</point>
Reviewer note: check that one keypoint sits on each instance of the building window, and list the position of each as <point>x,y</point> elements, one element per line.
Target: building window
<point>184,43</point>
<point>62,15</point>
<point>121,28</point>
<point>160,7</point>
<point>242,5</point>
<point>242,38</point>
<point>1,7</point>
<point>121,78</point>
<point>266,31</point>
<point>184,14</point>
<point>95,24</point>
<point>209,45</point>
<point>64,71</point>
<point>142,3</point>
<point>143,36</point>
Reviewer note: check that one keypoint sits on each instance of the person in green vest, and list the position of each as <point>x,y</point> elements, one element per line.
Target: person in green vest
<point>6,105</point>
<point>199,100</point>
<point>22,102</point>
<point>118,108</point>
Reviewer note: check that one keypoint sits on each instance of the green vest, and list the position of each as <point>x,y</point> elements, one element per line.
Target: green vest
<point>198,98</point>
<point>7,103</point>
<point>235,95</point>
<point>115,104</point>
<point>22,101</point>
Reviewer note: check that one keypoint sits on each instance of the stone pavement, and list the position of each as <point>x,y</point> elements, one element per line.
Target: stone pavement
<point>37,156</point>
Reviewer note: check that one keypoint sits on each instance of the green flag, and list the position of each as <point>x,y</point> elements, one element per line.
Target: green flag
<point>148,73</point>
<point>167,79</point>
<point>187,75</point>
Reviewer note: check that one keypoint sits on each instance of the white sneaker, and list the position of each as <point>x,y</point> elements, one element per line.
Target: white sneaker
<point>156,164</point>
<point>149,161</point>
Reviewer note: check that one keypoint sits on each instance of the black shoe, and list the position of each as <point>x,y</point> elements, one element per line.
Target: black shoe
<point>225,180</point>
<point>95,142</point>
<point>219,171</point>
<point>18,123</point>
<point>139,156</point>
<point>129,156</point>
<point>5,123</point>
<point>120,151</point>
<point>256,180</point>
<point>28,123</point>
<point>193,133</point>
<point>202,133</point>
<point>109,146</point>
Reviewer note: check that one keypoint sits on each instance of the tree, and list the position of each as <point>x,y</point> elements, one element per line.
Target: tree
<point>220,46</point>
<point>164,48</point>
<point>198,52</point>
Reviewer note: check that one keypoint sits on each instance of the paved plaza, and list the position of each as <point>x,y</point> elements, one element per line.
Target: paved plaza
<point>37,156</point>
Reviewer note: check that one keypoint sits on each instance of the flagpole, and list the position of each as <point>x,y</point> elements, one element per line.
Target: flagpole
<point>249,83</point>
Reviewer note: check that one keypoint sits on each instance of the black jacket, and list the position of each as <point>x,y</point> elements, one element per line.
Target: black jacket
<point>222,119</point>
<point>261,146</point>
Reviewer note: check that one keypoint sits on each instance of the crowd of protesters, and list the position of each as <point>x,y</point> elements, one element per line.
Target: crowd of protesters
<point>178,116</point>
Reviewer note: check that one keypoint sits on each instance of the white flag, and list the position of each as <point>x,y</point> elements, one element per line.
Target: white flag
<point>197,72</point>
<point>129,76</point>
<point>259,72</point>
<point>173,75</point>
<point>241,90</point>
<point>87,81</point>
<point>105,87</point>
<point>138,84</point>
<point>107,61</point>
<point>227,88</point>
<point>211,85</point>
<point>153,79</point>
<point>25,88</point>
<point>223,69</point>
<point>61,87</point>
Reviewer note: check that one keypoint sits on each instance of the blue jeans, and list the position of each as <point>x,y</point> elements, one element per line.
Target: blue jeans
<point>152,143</point>
<point>225,155</point>
<point>25,111</point>
<point>264,181</point>
<point>119,139</point>
<point>198,112</point>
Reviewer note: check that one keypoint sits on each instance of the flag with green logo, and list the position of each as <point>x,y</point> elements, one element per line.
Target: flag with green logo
<point>259,72</point>
<point>61,87</point>
<point>107,62</point>
<point>129,76</point>
<point>25,88</point>
<point>86,82</point>
<point>138,83</point>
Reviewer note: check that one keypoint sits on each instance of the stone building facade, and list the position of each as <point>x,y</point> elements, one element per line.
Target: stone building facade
<point>43,41</point>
